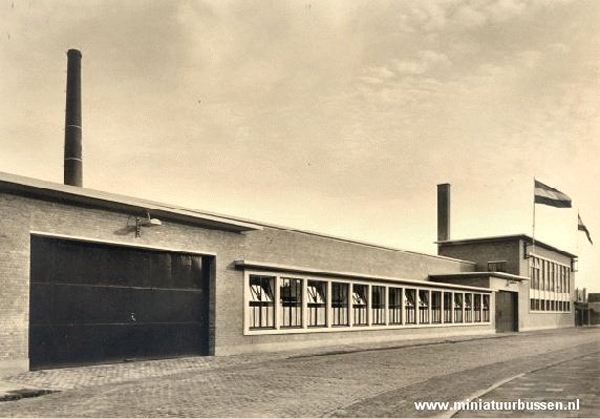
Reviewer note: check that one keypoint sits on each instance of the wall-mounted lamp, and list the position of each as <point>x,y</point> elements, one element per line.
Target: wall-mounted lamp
<point>145,222</point>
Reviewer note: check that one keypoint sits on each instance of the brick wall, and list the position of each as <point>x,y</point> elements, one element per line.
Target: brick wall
<point>513,251</point>
<point>482,253</point>
<point>23,215</point>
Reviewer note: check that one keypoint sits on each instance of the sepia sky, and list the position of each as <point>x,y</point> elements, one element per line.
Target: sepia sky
<point>334,116</point>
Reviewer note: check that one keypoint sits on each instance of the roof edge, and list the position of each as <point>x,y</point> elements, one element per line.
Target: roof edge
<point>226,222</point>
<point>252,264</point>
<point>50,190</point>
<point>520,236</point>
<point>503,275</point>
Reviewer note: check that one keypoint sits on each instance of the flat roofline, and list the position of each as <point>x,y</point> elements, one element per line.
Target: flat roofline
<point>40,188</point>
<point>524,237</point>
<point>252,264</point>
<point>503,275</point>
<point>340,238</point>
<point>36,188</point>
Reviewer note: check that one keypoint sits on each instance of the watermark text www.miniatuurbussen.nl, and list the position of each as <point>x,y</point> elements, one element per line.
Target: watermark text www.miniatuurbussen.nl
<point>498,405</point>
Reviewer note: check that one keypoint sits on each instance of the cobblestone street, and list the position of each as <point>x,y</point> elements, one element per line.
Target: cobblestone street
<point>578,378</point>
<point>358,383</point>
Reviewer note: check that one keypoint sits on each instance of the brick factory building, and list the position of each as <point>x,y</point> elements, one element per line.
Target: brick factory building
<point>89,277</point>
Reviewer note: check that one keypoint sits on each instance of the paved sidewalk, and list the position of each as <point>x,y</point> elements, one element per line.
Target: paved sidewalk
<point>359,381</point>
<point>95,375</point>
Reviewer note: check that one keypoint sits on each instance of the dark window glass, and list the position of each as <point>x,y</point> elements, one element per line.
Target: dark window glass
<point>486,307</point>
<point>477,307</point>
<point>423,306</point>
<point>262,312</point>
<point>436,306</point>
<point>447,307</point>
<point>468,308</point>
<point>410,306</point>
<point>339,304</point>
<point>395,305</point>
<point>316,303</point>
<point>378,304</point>
<point>458,307</point>
<point>359,304</point>
<point>498,266</point>
<point>290,295</point>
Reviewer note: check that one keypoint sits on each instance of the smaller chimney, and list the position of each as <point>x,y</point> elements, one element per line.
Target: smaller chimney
<point>73,172</point>
<point>443,211</point>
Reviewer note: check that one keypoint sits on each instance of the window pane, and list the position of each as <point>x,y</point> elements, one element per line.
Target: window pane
<point>262,313</point>
<point>498,266</point>
<point>378,304</point>
<point>359,304</point>
<point>477,307</point>
<point>290,295</point>
<point>447,307</point>
<point>339,304</point>
<point>468,307</point>
<point>458,307</point>
<point>410,306</point>
<point>395,305</point>
<point>486,307</point>
<point>436,307</point>
<point>317,303</point>
<point>423,306</point>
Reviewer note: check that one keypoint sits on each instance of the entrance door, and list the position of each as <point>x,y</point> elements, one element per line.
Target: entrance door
<point>506,311</point>
<point>92,302</point>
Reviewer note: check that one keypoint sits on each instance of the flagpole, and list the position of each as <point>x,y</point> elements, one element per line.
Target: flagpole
<point>533,226</point>
<point>577,238</point>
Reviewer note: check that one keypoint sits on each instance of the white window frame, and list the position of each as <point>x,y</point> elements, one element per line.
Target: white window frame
<point>369,283</point>
<point>550,293</point>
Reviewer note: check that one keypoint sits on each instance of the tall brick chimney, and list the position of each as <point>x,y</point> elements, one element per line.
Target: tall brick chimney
<point>443,211</point>
<point>73,166</point>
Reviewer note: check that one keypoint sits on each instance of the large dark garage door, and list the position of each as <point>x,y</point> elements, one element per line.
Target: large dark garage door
<point>93,302</point>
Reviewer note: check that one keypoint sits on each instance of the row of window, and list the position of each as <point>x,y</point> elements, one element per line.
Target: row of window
<point>550,305</point>
<point>550,276</point>
<point>374,305</point>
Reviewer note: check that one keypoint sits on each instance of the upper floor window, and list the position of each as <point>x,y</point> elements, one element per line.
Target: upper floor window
<point>536,273</point>
<point>497,266</point>
<point>547,275</point>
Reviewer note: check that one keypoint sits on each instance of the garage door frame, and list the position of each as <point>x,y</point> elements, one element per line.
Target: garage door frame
<point>208,258</point>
